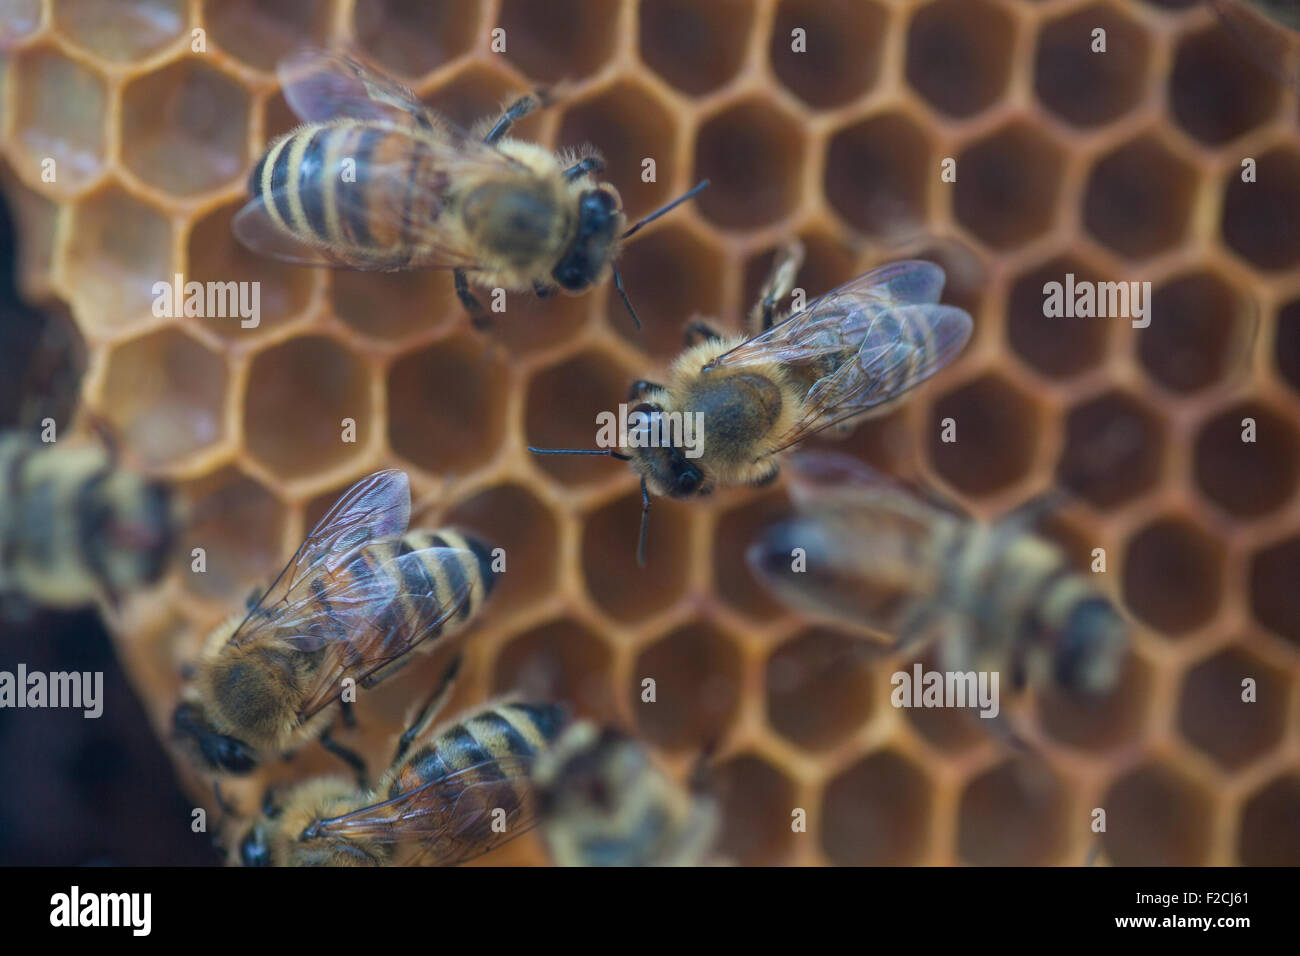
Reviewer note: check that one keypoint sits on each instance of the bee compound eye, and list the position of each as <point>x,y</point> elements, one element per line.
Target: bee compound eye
<point>233,757</point>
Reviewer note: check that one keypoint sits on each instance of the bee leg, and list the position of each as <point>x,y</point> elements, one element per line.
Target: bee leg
<point>697,332</point>
<point>645,523</point>
<point>640,387</point>
<point>765,480</point>
<point>349,718</point>
<point>347,756</point>
<point>779,283</point>
<point>542,290</point>
<point>515,111</point>
<point>430,709</point>
<point>473,306</point>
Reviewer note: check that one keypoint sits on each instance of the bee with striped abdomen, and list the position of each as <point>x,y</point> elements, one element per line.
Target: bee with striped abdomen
<point>357,599</point>
<point>605,803</point>
<point>466,791</point>
<point>850,354</point>
<point>75,526</point>
<point>995,598</point>
<point>377,180</point>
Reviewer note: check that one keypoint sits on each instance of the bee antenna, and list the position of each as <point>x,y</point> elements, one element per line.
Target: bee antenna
<point>702,184</point>
<point>645,522</point>
<point>607,452</point>
<point>618,284</point>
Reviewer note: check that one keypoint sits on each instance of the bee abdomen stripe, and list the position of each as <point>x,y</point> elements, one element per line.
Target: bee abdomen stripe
<point>311,175</point>
<point>276,195</point>
<point>408,197</point>
<point>456,574</point>
<point>392,621</point>
<point>326,608</point>
<point>418,587</point>
<point>461,749</point>
<point>426,765</point>
<point>487,577</point>
<point>255,184</point>
<point>507,736</point>
<point>1031,621</point>
<point>355,212</point>
<point>540,723</point>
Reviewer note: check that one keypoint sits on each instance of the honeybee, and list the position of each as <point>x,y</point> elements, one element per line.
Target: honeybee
<point>995,597</point>
<point>465,792</point>
<point>850,354</point>
<point>604,803</point>
<point>359,596</point>
<point>374,179</point>
<point>76,527</point>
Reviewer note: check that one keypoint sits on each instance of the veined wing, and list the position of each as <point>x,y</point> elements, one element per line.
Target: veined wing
<point>900,349</point>
<point>377,506</point>
<point>372,615</point>
<point>837,320</point>
<point>450,817</point>
<point>324,88</point>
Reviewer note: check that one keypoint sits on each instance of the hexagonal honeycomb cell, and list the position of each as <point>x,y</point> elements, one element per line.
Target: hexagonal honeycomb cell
<point>184,128</point>
<point>1081,82</point>
<point>121,32</point>
<point>1008,185</point>
<point>959,54</point>
<point>1139,199</point>
<point>1172,159</point>
<point>60,115</point>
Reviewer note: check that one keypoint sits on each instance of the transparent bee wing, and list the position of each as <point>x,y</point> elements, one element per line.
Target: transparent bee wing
<point>821,479</point>
<point>254,226</point>
<point>450,817</point>
<point>370,617</point>
<point>838,319</point>
<point>320,86</point>
<point>869,547</point>
<point>377,506</point>
<point>403,196</point>
<point>900,349</point>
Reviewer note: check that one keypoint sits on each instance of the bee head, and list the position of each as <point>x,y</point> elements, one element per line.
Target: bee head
<point>600,217</point>
<point>1091,647</point>
<point>206,746</point>
<point>666,469</point>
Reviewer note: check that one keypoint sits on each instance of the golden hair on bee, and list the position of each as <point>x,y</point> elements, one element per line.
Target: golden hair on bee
<point>605,803</point>
<point>916,572</point>
<point>77,526</point>
<point>851,354</point>
<point>358,600</point>
<point>464,791</point>
<point>374,179</point>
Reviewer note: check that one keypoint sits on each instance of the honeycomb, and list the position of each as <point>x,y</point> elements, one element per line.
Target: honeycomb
<point>1122,166</point>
